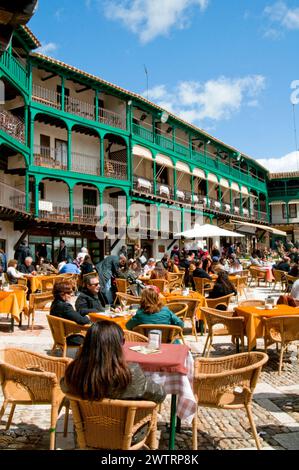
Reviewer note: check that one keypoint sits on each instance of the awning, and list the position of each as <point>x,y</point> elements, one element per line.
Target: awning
<point>235,187</point>
<point>275,231</point>
<point>163,160</point>
<point>244,190</point>
<point>295,201</point>
<point>180,166</point>
<point>142,152</point>
<point>224,183</point>
<point>276,203</point>
<point>199,173</point>
<point>212,178</point>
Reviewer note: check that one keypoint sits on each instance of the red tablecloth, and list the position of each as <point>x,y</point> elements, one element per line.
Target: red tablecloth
<point>171,358</point>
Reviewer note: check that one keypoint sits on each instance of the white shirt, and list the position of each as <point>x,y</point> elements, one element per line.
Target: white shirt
<point>295,290</point>
<point>14,272</point>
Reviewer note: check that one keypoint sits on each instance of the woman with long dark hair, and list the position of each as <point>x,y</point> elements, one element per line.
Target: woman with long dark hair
<point>101,371</point>
<point>222,286</point>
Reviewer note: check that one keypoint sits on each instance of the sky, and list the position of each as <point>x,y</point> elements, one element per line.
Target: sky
<point>229,67</point>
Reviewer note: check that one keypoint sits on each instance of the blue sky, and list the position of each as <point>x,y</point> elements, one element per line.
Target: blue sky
<point>226,66</point>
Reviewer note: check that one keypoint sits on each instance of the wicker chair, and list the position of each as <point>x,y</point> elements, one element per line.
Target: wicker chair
<point>227,383</point>
<point>128,298</point>
<point>112,424</point>
<point>162,284</point>
<point>61,329</point>
<point>38,302</point>
<point>170,333</point>
<point>190,314</point>
<point>279,278</point>
<point>28,378</point>
<point>221,301</point>
<point>135,337</point>
<point>233,326</point>
<point>175,280</point>
<point>121,285</point>
<point>179,309</point>
<point>281,330</point>
<point>257,274</point>
<point>202,285</point>
<point>289,282</point>
<point>22,281</point>
<point>47,284</point>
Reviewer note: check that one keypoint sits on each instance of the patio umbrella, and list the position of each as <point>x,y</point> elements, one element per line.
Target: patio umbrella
<point>207,231</point>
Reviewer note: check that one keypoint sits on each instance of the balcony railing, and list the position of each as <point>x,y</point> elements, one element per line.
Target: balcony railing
<point>60,212</point>
<point>45,96</point>
<point>144,185</point>
<point>86,214</point>
<point>116,170</point>
<point>110,118</point>
<point>14,68</point>
<point>12,198</point>
<point>81,108</point>
<point>12,125</point>
<point>50,157</point>
<point>86,164</point>
<point>165,191</point>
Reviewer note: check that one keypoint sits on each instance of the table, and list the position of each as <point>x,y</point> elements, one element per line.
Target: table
<point>9,305</point>
<point>35,281</point>
<point>120,320</point>
<point>253,320</point>
<point>269,275</point>
<point>172,368</point>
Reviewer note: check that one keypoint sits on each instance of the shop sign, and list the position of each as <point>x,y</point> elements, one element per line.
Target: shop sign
<point>45,206</point>
<point>69,233</point>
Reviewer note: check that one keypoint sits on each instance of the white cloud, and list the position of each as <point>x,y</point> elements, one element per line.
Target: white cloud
<point>279,13</point>
<point>215,99</point>
<point>47,48</point>
<point>289,162</point>
<point>151,18</point>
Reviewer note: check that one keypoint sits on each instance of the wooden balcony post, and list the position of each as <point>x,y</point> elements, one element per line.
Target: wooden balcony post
<point>69,149</point>
<point>71,201</point>
<point>174,183</point>
<point>96,105</point>
<point>62,94</point>
<point>231,197</point>
<point>192,189</point>
<point>241,204</point>
<point>259,205</point>
<point>26,119</point>
<point>27,195</point>
<point>154,179</point>
<point>31,139</point>
<point>36,197</point>
<point>102,157</point>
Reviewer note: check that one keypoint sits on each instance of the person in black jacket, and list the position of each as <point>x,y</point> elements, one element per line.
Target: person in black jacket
<point>90,299</point>
<point>62,308</point>
<point>222,286</point>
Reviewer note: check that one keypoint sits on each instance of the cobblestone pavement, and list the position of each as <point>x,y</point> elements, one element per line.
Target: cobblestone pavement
<point>275,408</point>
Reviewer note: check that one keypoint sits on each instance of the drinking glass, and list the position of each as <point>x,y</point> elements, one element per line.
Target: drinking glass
<point>107,308</point>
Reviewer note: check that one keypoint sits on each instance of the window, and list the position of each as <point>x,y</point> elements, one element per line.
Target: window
<point>292,211</point>
<point>45,146</point>
<point>61,152</point>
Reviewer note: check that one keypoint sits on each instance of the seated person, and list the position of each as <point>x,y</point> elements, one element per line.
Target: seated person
<point>219,265</point>
<point>87,266</point>
<point>172,267</point>
<point>294,271</point>
<point>12,273</point>
<point>45,267</point>
<point>152,311</point>
<point>255,260</point>
<point>159,272</point>
<point>150,266</point>
<point>222,286</point>
<point>234,264</point>
<point>295,290</point>
<point>27,268</point>
<point>101,371</point>
<point>200,272</point>
<point>207,265</point>
<point>90,299</point>
<point>62,308</point>
<point>283,265</point>
<point>70,268</point>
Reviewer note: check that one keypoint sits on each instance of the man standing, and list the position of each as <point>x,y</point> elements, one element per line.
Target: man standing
<point>62,252</point>
<point>107,269</point>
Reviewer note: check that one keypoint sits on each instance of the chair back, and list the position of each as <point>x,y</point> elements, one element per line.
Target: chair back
<point>284,329</point>
<point>220,302</point>
<point>112,424</point>
<point>22,282</point>
<point>130,299</point>
<point>179,309</point>
<point>175,280</point>
<point>290,281</point>
<point>279,276</point>
<point>192,304</point>
<point>162,284</point>
<point>133,336</point>
<point>61,329</point>
<point>202,285</point>
<point>121,285</point>
<point>169,332</point>
<point>47,284</point>
<point>227,382</point>
<point>232,325</point>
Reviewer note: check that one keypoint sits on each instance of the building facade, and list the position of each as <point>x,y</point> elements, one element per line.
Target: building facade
<point>71,144</point>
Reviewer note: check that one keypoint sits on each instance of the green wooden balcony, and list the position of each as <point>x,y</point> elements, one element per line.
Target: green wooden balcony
<point>15,70</point>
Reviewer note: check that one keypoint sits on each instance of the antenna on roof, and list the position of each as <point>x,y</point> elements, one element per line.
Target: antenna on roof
<point>146,74</point>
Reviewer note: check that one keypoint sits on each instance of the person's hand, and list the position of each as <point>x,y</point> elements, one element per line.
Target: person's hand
<point>34,273</point>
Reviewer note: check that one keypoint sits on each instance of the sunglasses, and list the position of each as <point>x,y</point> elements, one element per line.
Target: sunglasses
<point>96,284</point>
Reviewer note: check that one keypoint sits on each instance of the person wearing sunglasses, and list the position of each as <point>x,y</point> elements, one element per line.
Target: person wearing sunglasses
<point>90,299</point>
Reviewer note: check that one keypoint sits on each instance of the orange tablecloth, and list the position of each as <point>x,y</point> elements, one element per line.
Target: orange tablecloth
<point>253,320</point>
<point>269,275</point>
<point>9,304</point>
<point>121,321</point>
<point>35,281</point>
<point>173,296</point>
<point>21,296</point>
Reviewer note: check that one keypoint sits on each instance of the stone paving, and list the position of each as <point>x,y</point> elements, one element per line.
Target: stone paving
<point>275,408</point>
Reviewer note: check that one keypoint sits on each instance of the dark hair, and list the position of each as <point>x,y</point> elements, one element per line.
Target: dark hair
<point>205,264</point>
<point>88,277</point>
<point>63,287</point>
<point>159,272</point>
<point>87,259</point>
<point>99,369</point>
<point>223,280</point>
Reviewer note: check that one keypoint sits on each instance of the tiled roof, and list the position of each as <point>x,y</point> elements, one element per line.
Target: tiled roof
<point>139,97</point>
<point>287,174</point>
<point>31,35</point>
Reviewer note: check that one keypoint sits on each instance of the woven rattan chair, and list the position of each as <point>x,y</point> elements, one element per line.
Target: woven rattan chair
<point>162,284</point>
<point>22,281</point>
<point>202,285</point>
<point>113,424</point>
<point>47,284</point>
<point>38,302</point>
<point>257,275</point>
<point>28,378</point>
<point>227,383</point>
<point>233,326</point>
<point>135,337</point>
<point>279,278</point>
<point>220,302</point>
<point>281,330</point>
<point>121,285</point>
<point>128,298</point>
<point>175,280</point>
<point>190,314</point>
<point>61,329</point>
<point>290,281</point>
<point>178,308</point>
<point>170,333</point>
